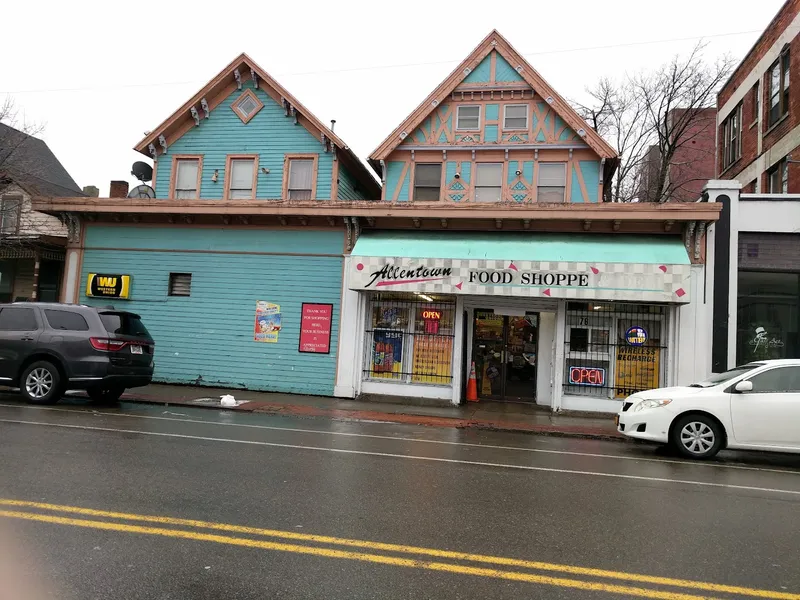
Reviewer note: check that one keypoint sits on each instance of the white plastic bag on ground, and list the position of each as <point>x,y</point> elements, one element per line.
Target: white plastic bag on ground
<point>227,400</point>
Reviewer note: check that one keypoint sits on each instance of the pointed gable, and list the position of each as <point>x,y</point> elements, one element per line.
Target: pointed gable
<point>230,90</point>
<point>493,63</point>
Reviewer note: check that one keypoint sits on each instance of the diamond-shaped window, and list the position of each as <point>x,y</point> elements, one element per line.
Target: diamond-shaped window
<point>247,106</point>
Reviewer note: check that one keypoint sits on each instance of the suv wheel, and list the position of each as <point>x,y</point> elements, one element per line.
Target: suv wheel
<point>105,395</point>
<point>41,383</point>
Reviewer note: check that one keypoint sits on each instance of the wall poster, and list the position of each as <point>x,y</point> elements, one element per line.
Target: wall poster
<point>315,328</point>
<point>268,322</point>
<point>637,369</point>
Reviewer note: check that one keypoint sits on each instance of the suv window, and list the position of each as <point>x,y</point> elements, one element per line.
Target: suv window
<point>66,321</point>
<point>14,318</point>
<point>124,324</point>
<point>782,379</point>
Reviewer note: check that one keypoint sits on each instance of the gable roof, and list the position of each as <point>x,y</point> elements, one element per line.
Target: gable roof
<point>493,41</point>
<point>29,162</point>
<point>222,86</point>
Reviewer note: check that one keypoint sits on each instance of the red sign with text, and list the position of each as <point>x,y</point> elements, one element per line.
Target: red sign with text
<point>315,328</point>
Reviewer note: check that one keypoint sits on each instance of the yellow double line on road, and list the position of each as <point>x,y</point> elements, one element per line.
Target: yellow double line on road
<point>366,553</point>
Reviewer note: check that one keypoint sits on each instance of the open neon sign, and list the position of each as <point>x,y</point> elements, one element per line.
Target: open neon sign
<point>594,376</point>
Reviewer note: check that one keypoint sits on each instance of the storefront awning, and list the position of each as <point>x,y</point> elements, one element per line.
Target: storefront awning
<point>636,268</point>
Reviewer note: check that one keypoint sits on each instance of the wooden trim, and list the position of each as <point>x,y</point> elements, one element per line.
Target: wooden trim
<point>568,182</point>
<point>493,67</point>
<point>529,75</point>
<point>335,180</point>
<point>248,93</point>
<point>287,158</point>
<point>637,211</point>
<point>174,172</point>
<point>154,181</point>
<point>227,189</point>
<point>187,251</point>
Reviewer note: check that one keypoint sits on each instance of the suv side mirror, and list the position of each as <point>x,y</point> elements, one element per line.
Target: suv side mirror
<point>744,386</point>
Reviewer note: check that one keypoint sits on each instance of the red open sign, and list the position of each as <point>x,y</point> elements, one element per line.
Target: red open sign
<point>587,376</point>
<point>434,315</point>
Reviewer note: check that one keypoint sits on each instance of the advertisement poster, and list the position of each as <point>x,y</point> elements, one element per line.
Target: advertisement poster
<point>268,322</point>
<point>387,353</point>
<point>315,328</point>
<point>637,369</point>
<point>432,357</point>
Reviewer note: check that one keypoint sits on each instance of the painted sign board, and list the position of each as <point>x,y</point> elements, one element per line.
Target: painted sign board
<point>100,285</point>
<point>639,282</point>
<point>315,328</point>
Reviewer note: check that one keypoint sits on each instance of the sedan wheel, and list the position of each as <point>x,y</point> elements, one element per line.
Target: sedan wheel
<point>697,436</point>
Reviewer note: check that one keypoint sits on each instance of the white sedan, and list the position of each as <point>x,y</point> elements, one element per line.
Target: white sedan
<point>754,407</point>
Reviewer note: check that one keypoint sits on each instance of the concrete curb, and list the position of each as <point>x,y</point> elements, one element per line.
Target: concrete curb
<point>301,411</point>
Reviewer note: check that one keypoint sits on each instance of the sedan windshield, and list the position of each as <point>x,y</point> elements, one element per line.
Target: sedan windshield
<point>719,378</point>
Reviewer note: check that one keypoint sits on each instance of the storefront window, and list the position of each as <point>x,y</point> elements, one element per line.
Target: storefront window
<point>613,350</point>
<point>767,316</point>
<point>410,339</point>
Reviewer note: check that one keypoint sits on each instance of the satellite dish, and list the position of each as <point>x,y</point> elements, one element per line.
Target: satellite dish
<point>142,191</point>
<point>142,171</point>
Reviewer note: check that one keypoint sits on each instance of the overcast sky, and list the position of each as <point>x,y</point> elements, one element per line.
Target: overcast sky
<point>98,75</point>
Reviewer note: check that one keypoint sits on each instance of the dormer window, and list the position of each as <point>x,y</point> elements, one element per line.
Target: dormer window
<point>468,116</point>
<point>247,106</point>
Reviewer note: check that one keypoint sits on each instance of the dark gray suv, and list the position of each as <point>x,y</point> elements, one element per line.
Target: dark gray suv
<point>47,349</point>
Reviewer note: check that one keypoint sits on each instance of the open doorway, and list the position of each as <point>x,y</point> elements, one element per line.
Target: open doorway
<point>504,349</point>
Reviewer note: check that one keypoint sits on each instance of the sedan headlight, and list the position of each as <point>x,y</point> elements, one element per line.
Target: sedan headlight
<point>645,404</point>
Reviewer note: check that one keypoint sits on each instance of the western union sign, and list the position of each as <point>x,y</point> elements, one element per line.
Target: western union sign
<point>108,286</point>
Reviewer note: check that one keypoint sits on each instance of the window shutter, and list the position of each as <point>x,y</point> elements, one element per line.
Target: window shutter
<point>552,175</point>
<point>300,174</point>
<point>187,175</point>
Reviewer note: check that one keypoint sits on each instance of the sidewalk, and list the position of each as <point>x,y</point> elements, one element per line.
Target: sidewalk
<point>494,416</point>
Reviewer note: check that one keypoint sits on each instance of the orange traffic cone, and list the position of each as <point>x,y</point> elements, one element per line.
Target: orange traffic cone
<point>472,385</point>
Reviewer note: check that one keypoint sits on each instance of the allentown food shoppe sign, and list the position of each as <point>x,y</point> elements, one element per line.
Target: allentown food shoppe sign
<point>574,280</point>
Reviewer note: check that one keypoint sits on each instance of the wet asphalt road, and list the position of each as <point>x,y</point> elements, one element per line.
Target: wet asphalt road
<point>626,508</point>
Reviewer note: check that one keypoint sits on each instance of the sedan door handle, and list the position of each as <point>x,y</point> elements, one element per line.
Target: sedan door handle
<point>27,339</point>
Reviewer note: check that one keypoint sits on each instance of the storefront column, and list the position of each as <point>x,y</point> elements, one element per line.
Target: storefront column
<point>558,355</point>
<point>350,332</point>
<point>37,265</point>
<point>458,352</point>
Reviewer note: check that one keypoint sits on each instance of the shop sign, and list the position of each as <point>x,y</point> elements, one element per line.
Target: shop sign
<point>387,353</point>
<point>268,322</point>
<point>592,376</point>
<point>636,336</point>
<point>545,279</point>
<point>315,328</point>
<point>637,369</point>
<point>108,286</point>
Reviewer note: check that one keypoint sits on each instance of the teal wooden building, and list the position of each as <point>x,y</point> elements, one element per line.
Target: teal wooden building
<point>199,267</point>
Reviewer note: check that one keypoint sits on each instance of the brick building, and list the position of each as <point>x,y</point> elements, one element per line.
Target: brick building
<point>756,243</point>
<point>693,163</point>
<point>758,114</point>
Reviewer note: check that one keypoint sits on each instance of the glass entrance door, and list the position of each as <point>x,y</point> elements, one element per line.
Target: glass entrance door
<point>505,351</point>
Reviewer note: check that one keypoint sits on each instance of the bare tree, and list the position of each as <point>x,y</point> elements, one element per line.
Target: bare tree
<point>654,120</point>
<point>13,137</point>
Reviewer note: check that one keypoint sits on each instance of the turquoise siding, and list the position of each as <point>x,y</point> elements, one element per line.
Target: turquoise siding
<point>270,134</point>
<point>504,71</point>
<point>481,73</point>
<point>490,133</point>
<point>347,185</point>
<point>207,338</point>
<point>575,194</point>
<point>512,170</point>
<point>450,171</point>
<point>527,170</point>
<point>492,112</point>
<point>394,169</point>
<point>590,169</point>
<point>466,172</point>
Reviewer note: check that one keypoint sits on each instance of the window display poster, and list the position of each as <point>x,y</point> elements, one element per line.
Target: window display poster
<point>637,369</point>
<point>315,328</point>
<point>268,322</point>
<point>432,357</point>
<point>387,353</point>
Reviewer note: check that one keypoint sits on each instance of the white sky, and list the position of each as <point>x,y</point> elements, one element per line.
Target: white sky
<point>100,74</point>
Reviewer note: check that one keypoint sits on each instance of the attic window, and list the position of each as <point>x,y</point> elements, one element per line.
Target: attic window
<point>247,106</point>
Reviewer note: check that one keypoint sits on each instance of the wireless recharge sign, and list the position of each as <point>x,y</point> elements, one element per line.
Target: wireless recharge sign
<point>108,286</point>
